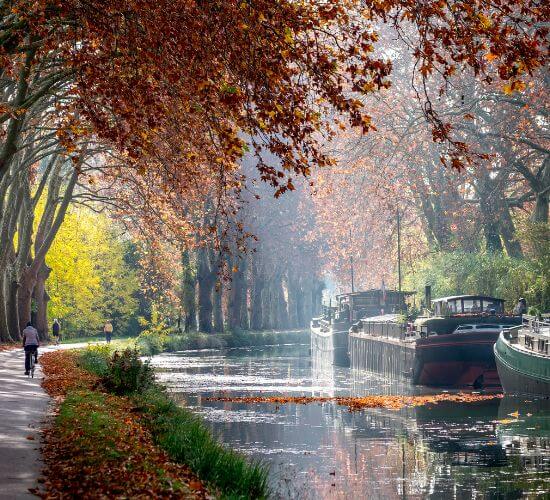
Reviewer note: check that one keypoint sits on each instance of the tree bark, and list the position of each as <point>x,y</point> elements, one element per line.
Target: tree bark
<point>540,213</point>
<point>218,310</point>
<point>236,295</point>
<point>508,233</point>
<point>279,305</point>
<point>205,283</point>
<point>189,281</point>
<point>12,310</point>
<point>293,293</point>
<point>42,298</point>
<point>256,316</point>
<point>4,327</point>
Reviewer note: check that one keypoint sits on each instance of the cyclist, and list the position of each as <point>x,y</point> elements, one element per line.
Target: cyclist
<point>56,332</point>
<point>30,344</point>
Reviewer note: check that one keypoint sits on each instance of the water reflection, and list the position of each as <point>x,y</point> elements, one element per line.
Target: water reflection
<point>488,449</point>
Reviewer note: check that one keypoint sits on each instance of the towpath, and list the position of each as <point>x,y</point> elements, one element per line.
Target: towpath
<point>23,407</point>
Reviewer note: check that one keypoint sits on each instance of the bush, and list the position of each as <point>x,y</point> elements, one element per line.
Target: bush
<point>194,341</point>
<point>95,359</point>
<point>150,343</point>
<point>127,374</point>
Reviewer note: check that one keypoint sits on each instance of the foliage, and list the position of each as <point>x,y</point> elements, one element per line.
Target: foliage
<point>496,274</point>
<point>95,359</point>
<point>127,374</point>
<point>195,341</point>
<point>154,333</point>
<point>90,282</point>
<point>97,447</point>
<point>187,440</point>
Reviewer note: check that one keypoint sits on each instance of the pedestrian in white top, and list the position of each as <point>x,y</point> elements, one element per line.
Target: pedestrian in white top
<point>30,344</point>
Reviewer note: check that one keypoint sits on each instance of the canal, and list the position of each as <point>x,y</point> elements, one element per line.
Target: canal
<point>498,448</point>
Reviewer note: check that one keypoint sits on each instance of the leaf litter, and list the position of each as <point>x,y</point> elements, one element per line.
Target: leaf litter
<point>96,446</point>
<point>360,403</point>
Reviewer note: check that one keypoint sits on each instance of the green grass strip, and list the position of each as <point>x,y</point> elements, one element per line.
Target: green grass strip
<point>187,440</point>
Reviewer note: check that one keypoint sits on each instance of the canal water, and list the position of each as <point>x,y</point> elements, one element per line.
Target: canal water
<point>496,449</point>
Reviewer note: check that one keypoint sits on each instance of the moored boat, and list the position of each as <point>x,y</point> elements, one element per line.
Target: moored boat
<point>451,348</point>
<point>522,357</point>
<point>330,332</point>
<point>455,345</point>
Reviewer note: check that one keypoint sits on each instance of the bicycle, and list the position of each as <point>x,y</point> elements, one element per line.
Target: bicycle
<point>33,355</point>
<point>31,365</point>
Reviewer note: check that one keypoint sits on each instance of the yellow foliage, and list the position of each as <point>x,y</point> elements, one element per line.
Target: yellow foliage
<point>90,282</point>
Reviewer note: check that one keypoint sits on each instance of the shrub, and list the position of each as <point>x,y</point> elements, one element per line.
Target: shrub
<point>95,359</point>
<point>150,343</point>
<point>127,374</point>
<point>194,341</point>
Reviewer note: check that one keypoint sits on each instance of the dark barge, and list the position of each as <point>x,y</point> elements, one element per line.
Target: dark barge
<point>451,348</point>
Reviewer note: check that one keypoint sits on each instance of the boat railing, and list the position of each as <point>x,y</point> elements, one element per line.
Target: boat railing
<point>389,330</point>
<point>512,334</point>
<point>535,334</point>
<point>538,325</point>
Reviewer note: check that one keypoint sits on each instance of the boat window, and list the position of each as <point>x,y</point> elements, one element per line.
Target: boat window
<point>453,306</point>
<point>471,305</point>
<point>488,327</point>
<point>464,327</point>
<point>490,305</point>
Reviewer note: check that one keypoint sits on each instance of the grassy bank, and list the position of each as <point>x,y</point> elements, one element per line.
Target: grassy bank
<point>154,344</point>
<point>103,387</point>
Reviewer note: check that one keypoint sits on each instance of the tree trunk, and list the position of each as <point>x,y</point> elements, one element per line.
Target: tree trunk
<point>188,285</point>
<point>24,297</point>
<point>307,302</point>
<point>267,322</point>
<point>540,213</point>
<point>218,310</point>
<point>279,305</point>
<point>293,293</point>
<point>42,298</point>
<point>4,326</point>
<point>236,295</point>
<point>205,283</point>
<point>508,233</point>
<point>13,310</point>
<point>256,316</point>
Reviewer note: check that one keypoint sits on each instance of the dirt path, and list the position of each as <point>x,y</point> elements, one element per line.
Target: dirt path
<point>23,406</point>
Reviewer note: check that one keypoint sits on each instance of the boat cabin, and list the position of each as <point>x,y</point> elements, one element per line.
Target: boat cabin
<point>467,304</point>
<point>375,302</point>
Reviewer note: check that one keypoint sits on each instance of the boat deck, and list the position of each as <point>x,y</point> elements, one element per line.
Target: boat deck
<point>532,338</point>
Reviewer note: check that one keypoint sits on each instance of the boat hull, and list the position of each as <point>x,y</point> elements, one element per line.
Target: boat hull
<point>521,372</point>
<point>332,344</point>
<point>457,360</point>
<point>391,359</point>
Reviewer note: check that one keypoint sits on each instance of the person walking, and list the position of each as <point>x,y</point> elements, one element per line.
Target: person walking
<point>56,331</point>
<point>108,330</point>
<point>30,344</point>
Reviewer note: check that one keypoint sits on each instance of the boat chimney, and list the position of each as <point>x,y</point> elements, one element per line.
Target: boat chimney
<point>428,295</point>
